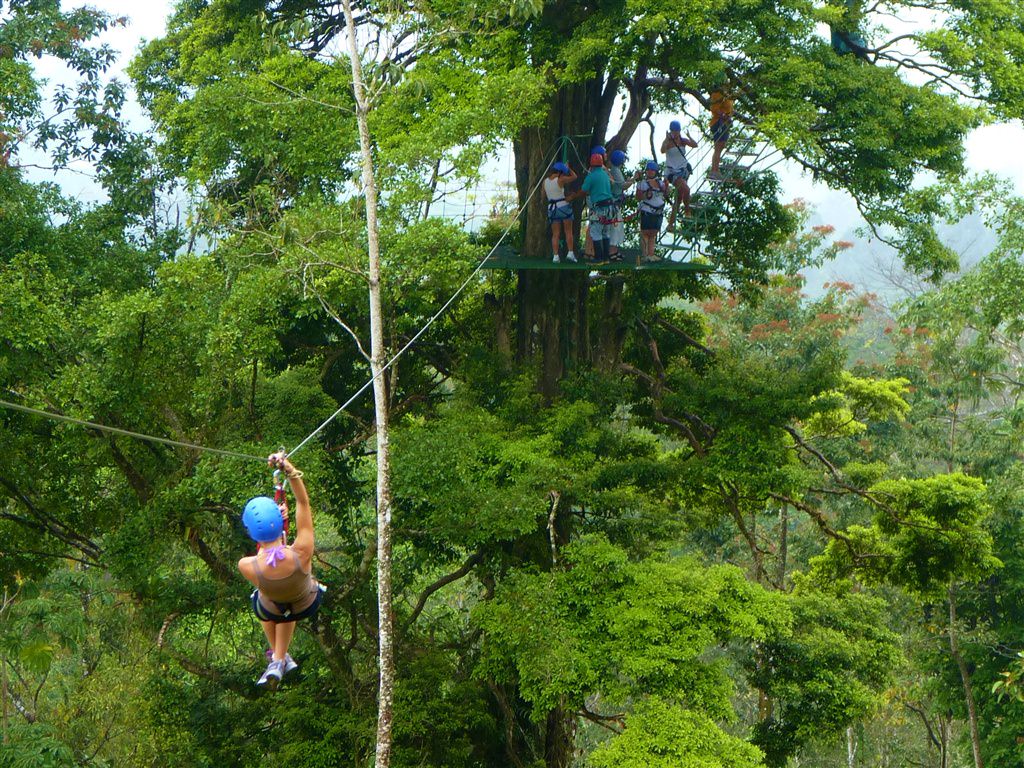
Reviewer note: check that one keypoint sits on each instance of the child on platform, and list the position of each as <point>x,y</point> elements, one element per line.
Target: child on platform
<point>650,194</point>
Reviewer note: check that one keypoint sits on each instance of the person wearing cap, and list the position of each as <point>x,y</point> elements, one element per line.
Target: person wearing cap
<point>286,591</point>
<point>560,209</point>
<point>598,189</point>
<point>722,106</point>
<point>677,167</point>
<point>619,186</point>
<point>650,195</point>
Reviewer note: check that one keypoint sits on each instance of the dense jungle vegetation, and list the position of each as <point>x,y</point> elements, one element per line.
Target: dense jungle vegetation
<point>673,520</point>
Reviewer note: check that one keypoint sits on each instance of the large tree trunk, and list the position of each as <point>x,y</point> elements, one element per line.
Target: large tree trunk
<point>965,677</point>
<point>559,738</point>
<point>552,319</point>
<point>386,653</point>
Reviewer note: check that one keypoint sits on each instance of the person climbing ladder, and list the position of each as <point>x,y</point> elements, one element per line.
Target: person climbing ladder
<point>286,591</point>
<point>560,209</point>
<point>722,106</point>
<point>677,168</point>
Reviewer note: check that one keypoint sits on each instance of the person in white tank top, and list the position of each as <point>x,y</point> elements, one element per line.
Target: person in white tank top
<point>560,213</point>
<point>677,168</point>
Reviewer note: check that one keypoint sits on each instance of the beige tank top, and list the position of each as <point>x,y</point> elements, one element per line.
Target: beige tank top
<point>297,590</point>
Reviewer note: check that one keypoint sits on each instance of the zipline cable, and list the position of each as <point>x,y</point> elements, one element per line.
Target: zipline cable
<point>439,312</point>
<point>126,432</point>
<point>248,456</point>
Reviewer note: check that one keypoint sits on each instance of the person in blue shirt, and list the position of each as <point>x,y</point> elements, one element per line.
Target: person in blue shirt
<point>598,189</point>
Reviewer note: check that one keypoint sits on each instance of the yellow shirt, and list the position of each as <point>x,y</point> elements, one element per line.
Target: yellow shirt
<point>721,106</point>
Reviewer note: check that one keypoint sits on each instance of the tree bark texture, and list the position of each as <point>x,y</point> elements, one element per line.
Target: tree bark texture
<point>386,654</point>
<point>559,738</point>
<point>553,321</point>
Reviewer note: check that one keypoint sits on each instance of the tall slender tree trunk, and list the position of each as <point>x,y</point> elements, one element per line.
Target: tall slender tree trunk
<point>945,724</point>
<point>783,544</point>
<point>385,628</point>
<point>3,678</point>
<point>965,676</point>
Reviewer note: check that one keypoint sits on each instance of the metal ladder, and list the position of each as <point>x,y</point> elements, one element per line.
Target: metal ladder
<point>707,196</point>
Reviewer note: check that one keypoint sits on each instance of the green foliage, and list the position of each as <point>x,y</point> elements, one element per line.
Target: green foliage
<point>825,673</point>
<point>927,535</point>
<point>610,627</point>
<point>561,557</point>
<point>661,735</point>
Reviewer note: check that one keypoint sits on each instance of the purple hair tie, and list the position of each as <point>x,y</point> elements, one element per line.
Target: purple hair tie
<point>274,555</point>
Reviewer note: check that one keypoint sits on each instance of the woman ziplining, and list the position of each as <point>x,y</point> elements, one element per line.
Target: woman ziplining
<point>286,591</point>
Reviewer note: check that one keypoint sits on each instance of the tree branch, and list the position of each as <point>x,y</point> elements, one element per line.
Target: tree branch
<point>441,583</point>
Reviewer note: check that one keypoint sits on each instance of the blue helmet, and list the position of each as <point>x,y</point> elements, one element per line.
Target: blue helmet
<point>262,519</point>
<point>560,167</point>
<point>675,125</point>
<point>652,165</point>
<point>618,157</point>
<point>599,150</point>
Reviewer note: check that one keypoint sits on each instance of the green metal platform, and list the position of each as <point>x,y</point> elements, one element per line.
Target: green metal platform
<point>507,259</point>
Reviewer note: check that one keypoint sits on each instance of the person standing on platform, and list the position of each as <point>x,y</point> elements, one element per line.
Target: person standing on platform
<point>598,189</point>
<point>650,194</point>
<point>619,186</point>
<point>560,215</point>
<point>722,106</point>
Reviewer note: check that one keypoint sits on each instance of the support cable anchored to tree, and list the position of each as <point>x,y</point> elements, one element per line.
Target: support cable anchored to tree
<point>439,312</point>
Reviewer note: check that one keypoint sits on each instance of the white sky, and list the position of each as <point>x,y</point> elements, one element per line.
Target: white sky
<point>988,148</point>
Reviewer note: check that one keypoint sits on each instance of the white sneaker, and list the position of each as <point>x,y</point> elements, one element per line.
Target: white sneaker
<point>571,257</point>
<point>290,664</point>
<point>272,675</point>
<point>555,259</point>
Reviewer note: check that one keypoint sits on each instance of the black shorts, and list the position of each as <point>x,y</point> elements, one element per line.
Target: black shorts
<point>285,616</point>
<point>650,222</point>
<point>720,129</point>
